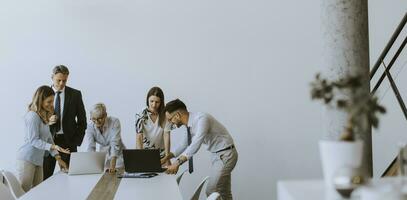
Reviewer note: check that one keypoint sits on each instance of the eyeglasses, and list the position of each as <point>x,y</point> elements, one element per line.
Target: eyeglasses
<point>172,117</point>
<point>99,119</point>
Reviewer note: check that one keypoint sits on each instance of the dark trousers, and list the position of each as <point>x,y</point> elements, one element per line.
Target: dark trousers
<point>49,161</point>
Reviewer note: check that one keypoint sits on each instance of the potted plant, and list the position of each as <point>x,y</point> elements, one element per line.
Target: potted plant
<point>362,113</point>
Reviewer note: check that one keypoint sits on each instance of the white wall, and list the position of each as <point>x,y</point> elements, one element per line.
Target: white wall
<point>248,63</point>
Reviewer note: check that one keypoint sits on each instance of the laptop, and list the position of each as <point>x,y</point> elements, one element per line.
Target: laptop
<point>142,163</point>
<point>86,163</point>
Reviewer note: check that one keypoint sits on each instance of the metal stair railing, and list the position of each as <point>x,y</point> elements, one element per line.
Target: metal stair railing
<point>392,169</point>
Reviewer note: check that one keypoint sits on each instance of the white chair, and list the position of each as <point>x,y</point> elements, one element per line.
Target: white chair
<point>198,189</point>
<point>13,184</point>
<point>214,196</point>
<point>180,176</point>
<point>5,193</point>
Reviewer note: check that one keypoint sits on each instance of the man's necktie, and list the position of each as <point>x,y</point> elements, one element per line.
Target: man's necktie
<point>58,111</point>
<point>190,161</point>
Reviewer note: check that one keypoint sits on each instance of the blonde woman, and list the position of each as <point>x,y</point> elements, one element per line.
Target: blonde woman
<point>38,139</point>
<point>105,131</point>
<point>152,128</point>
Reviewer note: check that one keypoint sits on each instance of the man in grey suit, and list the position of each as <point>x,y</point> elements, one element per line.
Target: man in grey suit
<point>69,130</point>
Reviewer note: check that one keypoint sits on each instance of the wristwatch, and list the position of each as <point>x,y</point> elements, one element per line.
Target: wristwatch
<point>179,161</point>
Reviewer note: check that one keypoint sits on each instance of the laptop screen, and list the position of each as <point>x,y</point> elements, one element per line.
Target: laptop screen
<point>142,160</point>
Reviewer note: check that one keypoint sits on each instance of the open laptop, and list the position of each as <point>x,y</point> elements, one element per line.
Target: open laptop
<point>142,163</point>
<point>86,163</point>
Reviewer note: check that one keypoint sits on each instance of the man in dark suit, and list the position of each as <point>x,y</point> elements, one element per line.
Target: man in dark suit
<point>69,130</point>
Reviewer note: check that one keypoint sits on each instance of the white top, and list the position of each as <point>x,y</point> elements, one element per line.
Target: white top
<point>62,98</point>
<point>205,129</point>
<point>37,140</point>
<point>152,131</point>
<point>109,139</point>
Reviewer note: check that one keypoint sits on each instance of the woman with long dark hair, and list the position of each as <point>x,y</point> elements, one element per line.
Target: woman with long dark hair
<point>152,128</point>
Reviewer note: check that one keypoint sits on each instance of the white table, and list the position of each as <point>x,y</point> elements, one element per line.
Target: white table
<point>64,187</point>
<point>304,189</point>
<point>159,187</point>
<point>315,189</point>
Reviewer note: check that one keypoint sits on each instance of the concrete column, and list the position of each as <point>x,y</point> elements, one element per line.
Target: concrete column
<point>345,37</point>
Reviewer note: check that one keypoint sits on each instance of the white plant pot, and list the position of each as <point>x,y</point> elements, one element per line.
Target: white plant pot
<point>339,154</point>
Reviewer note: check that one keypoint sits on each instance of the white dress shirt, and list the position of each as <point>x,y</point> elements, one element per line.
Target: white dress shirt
<point>109,139</point>
<point>205,129</point>
<point>62,97</point>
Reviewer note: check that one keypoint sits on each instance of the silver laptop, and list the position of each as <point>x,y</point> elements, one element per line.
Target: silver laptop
<point>86,163</point>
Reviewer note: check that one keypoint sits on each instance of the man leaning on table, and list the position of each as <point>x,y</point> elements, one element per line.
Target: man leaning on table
<point>105,131</point>
<point>203,128</point>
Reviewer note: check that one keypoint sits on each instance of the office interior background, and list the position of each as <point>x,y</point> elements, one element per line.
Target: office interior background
<point>247,62</point>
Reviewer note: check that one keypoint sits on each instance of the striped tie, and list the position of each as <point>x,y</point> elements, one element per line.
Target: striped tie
<point>58,112</point>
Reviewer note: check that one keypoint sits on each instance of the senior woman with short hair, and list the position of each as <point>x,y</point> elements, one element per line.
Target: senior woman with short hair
<point>105,130</point>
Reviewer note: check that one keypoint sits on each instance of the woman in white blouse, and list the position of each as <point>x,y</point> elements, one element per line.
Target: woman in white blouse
<point>38,139</point>
<point>105,130</point>
<point>152,128</point>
